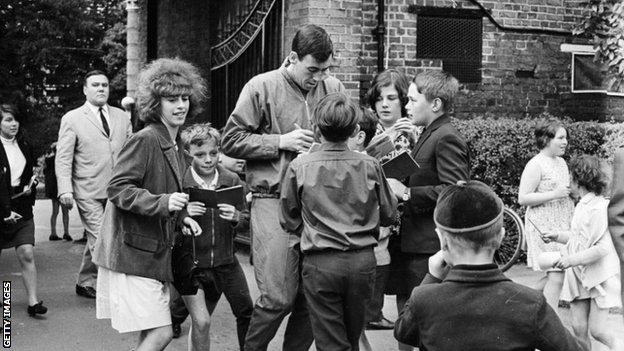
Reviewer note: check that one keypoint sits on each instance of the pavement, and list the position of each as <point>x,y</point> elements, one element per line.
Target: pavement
<point>70,323</point>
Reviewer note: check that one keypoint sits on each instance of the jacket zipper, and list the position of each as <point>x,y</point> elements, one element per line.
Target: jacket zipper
<point>213,240</point>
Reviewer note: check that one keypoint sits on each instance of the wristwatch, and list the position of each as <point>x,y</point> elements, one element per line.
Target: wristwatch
<point>407,194</point>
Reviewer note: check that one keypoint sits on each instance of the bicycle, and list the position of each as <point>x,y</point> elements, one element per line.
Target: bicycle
<point>511,246</point>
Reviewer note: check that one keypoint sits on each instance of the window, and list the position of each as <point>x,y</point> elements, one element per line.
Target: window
<point>454,37</point>
<point>587,75</point>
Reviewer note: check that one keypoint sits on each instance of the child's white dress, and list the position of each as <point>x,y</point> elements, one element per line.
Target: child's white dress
<point>595,271</point>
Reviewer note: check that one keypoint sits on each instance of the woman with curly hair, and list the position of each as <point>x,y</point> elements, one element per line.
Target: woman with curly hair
<point>592,270</point>
<point>147,207</point>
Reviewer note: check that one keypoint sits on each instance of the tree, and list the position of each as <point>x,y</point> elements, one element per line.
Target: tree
<point>605,25</point>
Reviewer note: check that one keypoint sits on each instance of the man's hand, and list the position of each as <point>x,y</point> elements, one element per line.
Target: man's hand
<point>13,218</point>
<point>228,212</point>
<point>299,140</point>
<point>195,208</point>
<point>397,188</point>
<point>67,200</point>
<point>437,265</point>
<point>177,201</point>
<point>191,227</point>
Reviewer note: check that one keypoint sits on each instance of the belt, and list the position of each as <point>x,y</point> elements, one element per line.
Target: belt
<point>265,196</point>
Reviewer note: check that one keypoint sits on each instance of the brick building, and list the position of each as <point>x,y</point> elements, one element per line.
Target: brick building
<point>514,57</point>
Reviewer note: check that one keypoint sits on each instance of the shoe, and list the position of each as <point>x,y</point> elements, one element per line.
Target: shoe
<point>67,237</point>
<point>177,330</point>
<point>54,237</point>
<point>85,291</point>
<point>82,240</point>
<point>38,308</point>
<point>382,324</point>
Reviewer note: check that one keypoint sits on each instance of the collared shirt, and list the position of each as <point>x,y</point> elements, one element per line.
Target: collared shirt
<point>269,106</point>
<point>96,111</point>
<point>200,181</point>
<point>336,199</point>
<point>17,160</point>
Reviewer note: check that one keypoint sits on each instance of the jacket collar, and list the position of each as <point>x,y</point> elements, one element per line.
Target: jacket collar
<point>225,178</point>
<point>174,158</point>
<point>437,123</point>
<point>487,273</point>
<point>331,146</point>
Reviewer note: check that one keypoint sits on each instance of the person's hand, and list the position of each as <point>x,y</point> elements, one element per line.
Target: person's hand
<point>13,218</point>
<point>177,201</point>
<point>228,212</point>
<point>402,124</point>
<point>548,237</point>
<point>437,265</point>
<point>191,227</point>
<point>195,208</point>
<point>562,263</point>
<point>299,140</point>
<point>67,200</point>
<point>397,187</point>
<point>561,191</point>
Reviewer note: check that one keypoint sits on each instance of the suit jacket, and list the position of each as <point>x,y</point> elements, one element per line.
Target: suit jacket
<point>138,230</point>
<point>85,156</point>
<point>477,308</point>
<point>444,159</point>
<point>22,205</point>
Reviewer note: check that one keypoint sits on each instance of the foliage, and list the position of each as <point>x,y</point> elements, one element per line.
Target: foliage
<point>500,148</point>
<point>605,25</point>
<point>614,139</point>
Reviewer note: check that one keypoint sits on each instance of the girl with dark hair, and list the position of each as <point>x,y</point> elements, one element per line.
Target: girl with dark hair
<point>592,271</point>
<point>146,207</point>
<point>17,228</point>
<point>544,190</point>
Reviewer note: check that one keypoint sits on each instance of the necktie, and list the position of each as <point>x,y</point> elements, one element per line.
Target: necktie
<point>104,123</point>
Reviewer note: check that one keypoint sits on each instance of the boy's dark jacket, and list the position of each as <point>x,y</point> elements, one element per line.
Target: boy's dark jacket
<point>215,246</point>
<point>478,308</point>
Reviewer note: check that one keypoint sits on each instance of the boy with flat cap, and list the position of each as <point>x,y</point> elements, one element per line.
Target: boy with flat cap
<point>474,306</point>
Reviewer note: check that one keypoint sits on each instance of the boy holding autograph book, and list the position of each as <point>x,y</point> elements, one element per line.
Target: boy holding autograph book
<point>335,199</point>
<point>204,266</point>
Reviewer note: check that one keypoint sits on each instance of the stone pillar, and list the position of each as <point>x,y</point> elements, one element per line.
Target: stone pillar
<point>133,46</point>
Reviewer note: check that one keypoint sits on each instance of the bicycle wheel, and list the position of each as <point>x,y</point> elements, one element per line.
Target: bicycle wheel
<point>510,249</point>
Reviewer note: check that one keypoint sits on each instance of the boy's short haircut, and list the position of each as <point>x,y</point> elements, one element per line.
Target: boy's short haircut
<point>586,171</point>
<point>198,134</point>
<point>336,117</point>
<point>368,124</point>
<point>471,214</point>
<point>437,84</point>
<point>312,40</point>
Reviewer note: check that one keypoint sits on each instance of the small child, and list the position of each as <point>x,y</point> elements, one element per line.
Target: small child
<point>336,199</point>
<point>217,268</point>
<point>474,306</point>
<point>592,271</point>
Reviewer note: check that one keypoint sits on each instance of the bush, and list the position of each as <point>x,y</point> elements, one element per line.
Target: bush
<point>500,148</point>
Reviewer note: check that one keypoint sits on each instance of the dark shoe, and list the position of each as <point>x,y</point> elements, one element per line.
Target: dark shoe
<point>382,324</point>
<point>54,237</point>
<point>67,237</point>
<point>82,240</point>
<point>177,330</point>
<point>38,308</point>
<point>85,291</point>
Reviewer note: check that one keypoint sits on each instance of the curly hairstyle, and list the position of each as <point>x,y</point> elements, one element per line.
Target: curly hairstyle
<point>199,134</point>
<point>168,77</point>
<point>545,131</point>
<point>389,77</point>
<point>586,171</point>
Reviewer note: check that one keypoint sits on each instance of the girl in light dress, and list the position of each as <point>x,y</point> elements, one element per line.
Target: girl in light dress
<point>545,189</point>
<point>592,270</point>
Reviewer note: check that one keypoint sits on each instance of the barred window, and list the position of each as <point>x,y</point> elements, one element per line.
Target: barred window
<point>453,37</point>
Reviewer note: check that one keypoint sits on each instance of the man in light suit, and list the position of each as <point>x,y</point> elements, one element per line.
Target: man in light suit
<point>89,141</point>
<point>616,209</point>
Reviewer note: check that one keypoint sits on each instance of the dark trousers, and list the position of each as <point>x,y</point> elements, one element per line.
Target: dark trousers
<point>337,286</point>
<point>375,304</point>
<point>227,279</point>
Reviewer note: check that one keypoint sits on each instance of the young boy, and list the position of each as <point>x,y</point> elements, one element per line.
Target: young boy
<point>335,200</point>
<point>217,269</point>
<point>474,306</point>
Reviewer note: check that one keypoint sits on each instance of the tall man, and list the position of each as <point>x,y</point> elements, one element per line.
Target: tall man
<point>443,156</point>
<point>89,140</point>
<point>269,126</point>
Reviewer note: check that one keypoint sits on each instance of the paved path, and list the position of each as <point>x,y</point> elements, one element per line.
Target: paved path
<point>70,323</point>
